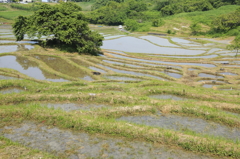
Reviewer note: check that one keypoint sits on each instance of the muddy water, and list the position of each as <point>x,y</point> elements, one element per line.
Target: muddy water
<point>29,68</point>
<point>73,106</point>
<point>167,96</point>
<point>62,66</point>
<point>13,48</point>
<point>135,45</point>
<point>76,145</point>
<point>180,123</point>
<point>11,90</point>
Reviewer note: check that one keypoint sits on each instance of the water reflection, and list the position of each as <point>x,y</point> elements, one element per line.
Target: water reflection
<point>164,62</point>
<point>135,45</point>
<point>159,41</point>
<point>29,68</point>
<point>13,48</point>
<point>62,66</point>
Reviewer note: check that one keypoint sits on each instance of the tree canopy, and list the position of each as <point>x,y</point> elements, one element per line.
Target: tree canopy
<point>63,25</point>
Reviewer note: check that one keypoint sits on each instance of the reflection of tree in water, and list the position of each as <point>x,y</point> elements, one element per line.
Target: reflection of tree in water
<point>26,63</point>
<point>21,47</point>
<point>61,66</point>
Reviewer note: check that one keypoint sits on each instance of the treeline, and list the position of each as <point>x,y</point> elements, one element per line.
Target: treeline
<point>171,7</point>
<point>141,15</point>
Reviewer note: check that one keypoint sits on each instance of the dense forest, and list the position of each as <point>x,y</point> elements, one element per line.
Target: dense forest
<point>140,15</point>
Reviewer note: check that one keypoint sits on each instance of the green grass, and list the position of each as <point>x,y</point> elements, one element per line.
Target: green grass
<point>3,8</point>
<point>205,17</point>
<point>11,15</point>
<point>86,6</point>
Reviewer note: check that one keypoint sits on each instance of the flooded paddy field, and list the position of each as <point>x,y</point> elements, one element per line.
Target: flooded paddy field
<point>82,106</point>
<point>186,123</point>
<point>82,145</point>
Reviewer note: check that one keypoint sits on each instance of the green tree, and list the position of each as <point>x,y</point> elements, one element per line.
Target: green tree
<point>227,22</point>
<point>157,22</point>
<point>131,25</point>
<point>64,26</point>
<point>235,45</point>
<point>195,28</point>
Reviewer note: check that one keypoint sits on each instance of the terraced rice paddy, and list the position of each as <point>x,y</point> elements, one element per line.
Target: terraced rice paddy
<point>143,97</point>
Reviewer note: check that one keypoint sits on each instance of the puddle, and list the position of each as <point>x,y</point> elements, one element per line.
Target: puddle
<point>167,96</point>
<point>131,72</point>
<point>159,41</point>
<point>6,77</point>
<point>122,78</point>
<point>73,106</point>
<point>174,75</point>
<point>62,66</point>
<point>181,123</point>
<point>135,45</point>
<point>11,90</point>
<point>164,62</point>
<point>13,48</point>
<point>228,73</point>
<point>29,68</point>
<point>75,145</point>
<point>206,75</point>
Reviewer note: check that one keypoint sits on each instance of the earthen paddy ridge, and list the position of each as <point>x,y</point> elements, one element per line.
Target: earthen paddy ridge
<point>145,96</point>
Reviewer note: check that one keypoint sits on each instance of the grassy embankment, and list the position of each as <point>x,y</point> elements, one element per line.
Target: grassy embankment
<point>124,100</point>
